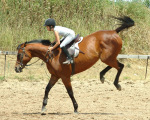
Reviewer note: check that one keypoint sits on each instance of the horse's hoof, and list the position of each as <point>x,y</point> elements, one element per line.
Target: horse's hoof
<point>76,112</point>
<point>43,112</point>
<point>119,87</point>
<point>102,79</point>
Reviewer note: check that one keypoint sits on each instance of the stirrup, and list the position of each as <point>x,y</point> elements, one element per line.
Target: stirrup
<point>68,61</point>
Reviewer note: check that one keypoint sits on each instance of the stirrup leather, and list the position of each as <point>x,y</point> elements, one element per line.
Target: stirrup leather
<point>68,61</point>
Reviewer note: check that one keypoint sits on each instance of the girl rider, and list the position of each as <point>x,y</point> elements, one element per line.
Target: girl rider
<point>66,33</point>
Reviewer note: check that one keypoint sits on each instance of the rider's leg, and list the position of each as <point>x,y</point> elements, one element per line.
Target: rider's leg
<point>67,40</point>
<point>69,58</point>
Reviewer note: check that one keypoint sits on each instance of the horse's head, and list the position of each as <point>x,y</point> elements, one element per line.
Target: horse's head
<point>23,57</point>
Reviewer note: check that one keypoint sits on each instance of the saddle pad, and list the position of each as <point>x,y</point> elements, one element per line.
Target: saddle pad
<point>74,49</point>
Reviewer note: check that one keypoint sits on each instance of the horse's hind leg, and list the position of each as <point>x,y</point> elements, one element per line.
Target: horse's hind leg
<point>51,83</point>
<point>103,72</point>
<point>121,66</point>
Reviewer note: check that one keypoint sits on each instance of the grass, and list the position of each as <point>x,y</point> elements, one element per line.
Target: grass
<point>2,78</point>
<point>126,78</point>
<point>22,20</point>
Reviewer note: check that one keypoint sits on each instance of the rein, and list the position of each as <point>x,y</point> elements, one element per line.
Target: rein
<point>50,56</point>
<point>33,62</point>
<point>48,53</point>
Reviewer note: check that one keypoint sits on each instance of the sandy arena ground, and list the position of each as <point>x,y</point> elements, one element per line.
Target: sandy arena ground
<point>97,101</point>
<point>21,95</point>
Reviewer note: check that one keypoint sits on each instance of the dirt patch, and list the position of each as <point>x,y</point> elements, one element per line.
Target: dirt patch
<point>97,101</point>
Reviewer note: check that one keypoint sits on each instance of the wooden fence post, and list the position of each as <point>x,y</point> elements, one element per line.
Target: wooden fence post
<point>5,67</point>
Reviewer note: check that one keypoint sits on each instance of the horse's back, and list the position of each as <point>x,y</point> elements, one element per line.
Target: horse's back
<point>107,44</point>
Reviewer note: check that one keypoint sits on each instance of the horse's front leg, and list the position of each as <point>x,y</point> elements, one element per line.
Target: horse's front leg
<point>51,83</point>
<point>68,86</point>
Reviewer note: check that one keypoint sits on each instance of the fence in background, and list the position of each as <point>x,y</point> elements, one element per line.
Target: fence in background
<point>6,53</point>
<point>144,67</point>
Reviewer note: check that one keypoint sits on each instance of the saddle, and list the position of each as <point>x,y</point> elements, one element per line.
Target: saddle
<point>72,47</point>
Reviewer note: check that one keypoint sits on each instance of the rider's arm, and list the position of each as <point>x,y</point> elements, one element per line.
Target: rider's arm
<point>57,39</point>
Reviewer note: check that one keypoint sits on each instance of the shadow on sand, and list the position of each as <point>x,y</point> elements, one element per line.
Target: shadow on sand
<point>95,113</point>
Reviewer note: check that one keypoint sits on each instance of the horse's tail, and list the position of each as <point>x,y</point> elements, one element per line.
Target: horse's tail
<point>125,22</point>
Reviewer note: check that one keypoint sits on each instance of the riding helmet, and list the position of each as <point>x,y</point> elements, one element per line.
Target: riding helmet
<point>50,22</point>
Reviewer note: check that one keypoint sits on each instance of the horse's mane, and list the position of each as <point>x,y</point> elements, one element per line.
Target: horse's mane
<point>43,42</point>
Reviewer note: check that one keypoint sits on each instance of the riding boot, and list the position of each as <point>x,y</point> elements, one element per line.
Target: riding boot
<point>69,58</point>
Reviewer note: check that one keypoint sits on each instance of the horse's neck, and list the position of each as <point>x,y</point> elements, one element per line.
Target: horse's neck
<point>39,51</point>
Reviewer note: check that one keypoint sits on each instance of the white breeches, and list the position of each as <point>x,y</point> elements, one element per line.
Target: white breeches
<point>67,40</point>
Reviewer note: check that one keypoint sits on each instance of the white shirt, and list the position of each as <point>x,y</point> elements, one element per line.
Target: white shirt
<point>63,31</point>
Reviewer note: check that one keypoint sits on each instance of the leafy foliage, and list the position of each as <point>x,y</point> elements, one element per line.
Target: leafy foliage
<point>22,20</point>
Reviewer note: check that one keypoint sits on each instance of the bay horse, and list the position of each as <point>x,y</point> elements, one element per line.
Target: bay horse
<point>103,45</point>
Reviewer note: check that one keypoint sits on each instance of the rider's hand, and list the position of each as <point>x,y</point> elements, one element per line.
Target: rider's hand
<point>50,49</point>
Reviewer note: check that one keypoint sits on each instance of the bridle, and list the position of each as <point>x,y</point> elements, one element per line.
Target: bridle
<point>21,55</point>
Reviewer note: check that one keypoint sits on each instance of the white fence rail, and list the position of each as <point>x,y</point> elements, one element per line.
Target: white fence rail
<point>120,56</point>
<point>134,56</point>
<point>8,52</point>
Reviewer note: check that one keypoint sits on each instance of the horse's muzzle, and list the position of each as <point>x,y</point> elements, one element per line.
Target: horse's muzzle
<point>18,69</point>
